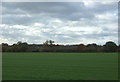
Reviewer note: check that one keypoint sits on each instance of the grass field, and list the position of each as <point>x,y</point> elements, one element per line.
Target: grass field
<point>60,66</point>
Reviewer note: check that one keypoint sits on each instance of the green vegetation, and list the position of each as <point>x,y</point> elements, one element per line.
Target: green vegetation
<point>48,46</point>
<point>60,66</point>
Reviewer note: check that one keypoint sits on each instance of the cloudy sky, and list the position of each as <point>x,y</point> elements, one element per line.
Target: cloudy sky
<point>63,22</point>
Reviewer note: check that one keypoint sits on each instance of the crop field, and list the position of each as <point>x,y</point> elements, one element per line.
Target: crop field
<point>60,66</point>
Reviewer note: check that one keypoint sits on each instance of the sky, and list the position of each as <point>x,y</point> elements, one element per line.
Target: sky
<point>63,22</point>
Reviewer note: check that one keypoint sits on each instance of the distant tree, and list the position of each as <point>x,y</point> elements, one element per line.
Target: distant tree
<point>81,48</point>
<point>0,48</point>
<point>48,46</point>
<point>100,48</point>
<point>46,43</point>
<point>19,43</point>
<point>91,47</point>
<point>5,47</point>
<point>118,48</point>
<point>20,47</point>
<point>110,47</point>
<point>51,42</point>
<point>24,46</point>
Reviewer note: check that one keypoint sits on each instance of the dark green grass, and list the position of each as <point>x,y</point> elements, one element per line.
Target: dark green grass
<point>60,66</point>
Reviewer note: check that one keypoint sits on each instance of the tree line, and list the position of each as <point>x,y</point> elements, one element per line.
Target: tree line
<point>49,46</point>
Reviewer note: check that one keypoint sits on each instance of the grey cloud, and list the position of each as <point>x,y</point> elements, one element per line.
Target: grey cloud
<point>62,10</point>
<point>16,14</point>
<point>15,34</point>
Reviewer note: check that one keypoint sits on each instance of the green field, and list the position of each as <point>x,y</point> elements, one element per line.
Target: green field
<point>60,66</point>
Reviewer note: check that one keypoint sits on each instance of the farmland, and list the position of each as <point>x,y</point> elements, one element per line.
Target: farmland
<point>60,66</point>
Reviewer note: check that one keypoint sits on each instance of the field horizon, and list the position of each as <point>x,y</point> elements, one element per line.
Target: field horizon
<point>60,66</point>
<point>59,40</point>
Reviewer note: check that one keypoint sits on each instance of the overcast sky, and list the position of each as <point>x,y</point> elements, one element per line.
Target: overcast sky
<point>63,22</point>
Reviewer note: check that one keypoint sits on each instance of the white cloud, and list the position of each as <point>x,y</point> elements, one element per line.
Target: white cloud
<point>65,23</point>
<point>39,24</point>
<point>107,16</point>
<point>88,3</point>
